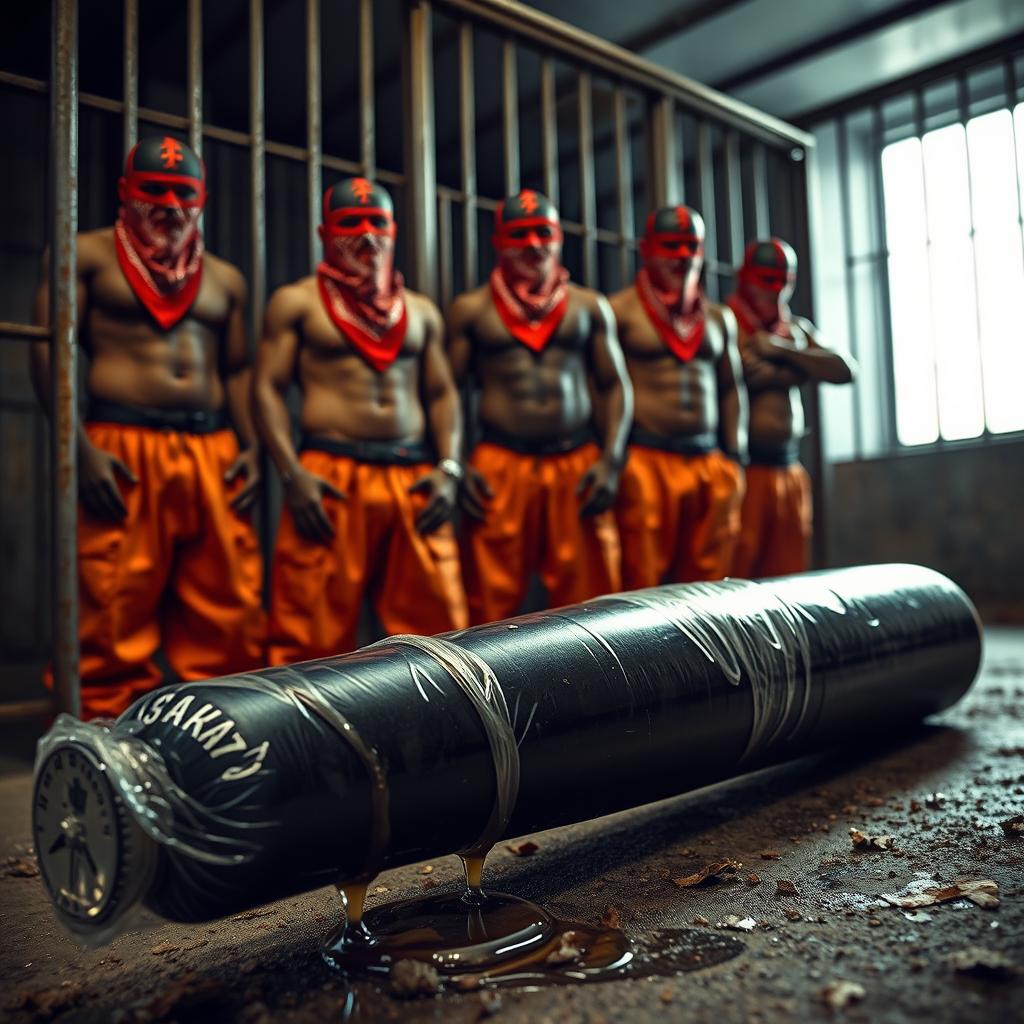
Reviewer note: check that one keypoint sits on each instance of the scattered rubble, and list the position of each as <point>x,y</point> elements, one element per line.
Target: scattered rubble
<point>737,923</point>
<point>985,963</point>
<point>19,867</point>
<point>611,918</point>
<point>862,841</point>
<point>523,849</point>
<point>839,994</point>
<point>1013,827</point>
<point>714,872</point>
<point>784,887</point>
<point>411,978</point>
<point>981,891</point>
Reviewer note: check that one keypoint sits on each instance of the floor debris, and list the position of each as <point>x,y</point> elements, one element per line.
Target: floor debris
<point>714,872</point>
<point>862,841</point>
<point>839,994</point>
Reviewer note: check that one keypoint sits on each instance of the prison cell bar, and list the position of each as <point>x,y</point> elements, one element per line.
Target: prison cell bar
<point>759,175</point>
<point>314,172</point>
<point>467,147</point>
<point>367,123</point>
<point>706,177</point>
<point>195,75</point>
<point>510,116</point>
<point>130,65</point>
<point>624,182</point>
<point>549,129</point>
<point>588,203</point>
<point>734,197</point>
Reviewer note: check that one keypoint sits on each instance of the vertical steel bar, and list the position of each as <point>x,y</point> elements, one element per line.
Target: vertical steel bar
<point>367,125</point>
<point>467,145</point>
<point>195,75</point>
<point>762,208</point>
<point>664,169</point>
<point>314,154</point>
<point>706,176</point>
<point>588,199</point>
<point>257,164</point>
<point>131,74</point>
<point>734,196</point>
<point>884,324</point>
<point>421,160</point>
<point>63,349</point>
<point>444,249</point>
<point>843,160</point>
<point>510,116</point>
<point>549,128</point>
<point>624,184</point>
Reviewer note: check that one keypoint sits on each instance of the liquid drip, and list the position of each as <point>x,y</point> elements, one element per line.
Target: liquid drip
<point>503,940</point>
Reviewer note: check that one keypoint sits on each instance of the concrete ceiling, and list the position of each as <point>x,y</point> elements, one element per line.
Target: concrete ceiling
<point>789,57</point>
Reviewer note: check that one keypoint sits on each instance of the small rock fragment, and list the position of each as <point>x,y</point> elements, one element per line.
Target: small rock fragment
<point>567,951</point>
<point>1013,827</point>
<point>164,948</point>
<point>862,841</point>
<point>770,855</point>
<point>737,923</point>
<point>523,849</point>
<point>753,879</point>
<point>838,994</point>
<point>701,920</point>
<point>784,887</point>
<point>411,978</point>
<point>666,995</point>
<point>986,963</point>
<point>19,867</point>
<point>612,919</point>
<point>427,869</point>
<point>714,872</point>
<point>793,915</point>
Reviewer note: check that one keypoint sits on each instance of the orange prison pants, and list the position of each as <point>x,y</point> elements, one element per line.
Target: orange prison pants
<point>181,571</point>
<point>533,524</point>
<point>776,531</point>
<point>317,592</point>
<point>678,515</point>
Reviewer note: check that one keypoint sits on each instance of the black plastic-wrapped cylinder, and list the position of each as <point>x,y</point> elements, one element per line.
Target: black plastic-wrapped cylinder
<point>220,795</point>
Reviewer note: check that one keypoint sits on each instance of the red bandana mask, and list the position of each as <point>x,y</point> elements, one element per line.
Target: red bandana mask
<point>361,291</point>
<point>764,284</point>
<point>529,285</point>
<point>668,284</point>
<point>156,234</point>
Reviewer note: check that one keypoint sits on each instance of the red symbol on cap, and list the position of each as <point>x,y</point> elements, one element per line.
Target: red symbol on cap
<point>528,200</point>
<point>683,216</point>
<point>170,153</point>
<point>361,189</point>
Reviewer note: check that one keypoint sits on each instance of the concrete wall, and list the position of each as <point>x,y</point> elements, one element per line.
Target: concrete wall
<point>960,511</point>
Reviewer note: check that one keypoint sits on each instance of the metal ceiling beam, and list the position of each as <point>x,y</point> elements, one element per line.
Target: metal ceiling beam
<point>677,23</point>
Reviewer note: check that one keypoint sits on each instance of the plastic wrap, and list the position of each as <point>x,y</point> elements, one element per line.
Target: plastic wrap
<point>252,787</point>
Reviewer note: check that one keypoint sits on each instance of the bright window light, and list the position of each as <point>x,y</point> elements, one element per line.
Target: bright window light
<point>956,275</point>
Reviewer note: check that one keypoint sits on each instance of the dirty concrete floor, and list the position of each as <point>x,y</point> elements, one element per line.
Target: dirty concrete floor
<point>940,794</point>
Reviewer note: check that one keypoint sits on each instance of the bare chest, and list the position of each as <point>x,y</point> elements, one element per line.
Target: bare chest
<point>642,344</point>
<point>495,347</point>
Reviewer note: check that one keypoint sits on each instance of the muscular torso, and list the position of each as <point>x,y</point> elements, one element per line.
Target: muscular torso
<point>670,397</point>
<point>527,394</point>
<point>133,361</point>
<point>776,413</point>
<point>343,397</point>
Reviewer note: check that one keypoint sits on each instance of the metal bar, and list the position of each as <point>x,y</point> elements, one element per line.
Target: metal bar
<point>597,54</point>
<point>195,75</point>
<point>510,116</point>
<point>624,182</point>
<point>843,159</point>
<point>420,162</point>
<point>706,176</point>
<point>444,249</point>
<point>367,124</point>
<point>734,196</point>
<point>663,181</point>
<point>314,164</point>
<point>24,332</point>
<point>64,351</point>
<point>762,207</point>
<point>22,710</point>
<point>884,310</point>
<point>588,203</point>
<point>467,144</point>
<point>130,65</point>
<point>257,165</point>
<point>549,128</point>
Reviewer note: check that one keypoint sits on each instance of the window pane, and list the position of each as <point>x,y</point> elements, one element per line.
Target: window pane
<point>1000,266</point>
<point>904,195</point>
<point>954,312</point>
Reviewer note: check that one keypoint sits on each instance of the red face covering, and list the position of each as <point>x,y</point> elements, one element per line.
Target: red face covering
<point>156,234</point>
<point>668,283</point>
<point>529,285</point>
<point>764,284</point>
<point>361,291</point>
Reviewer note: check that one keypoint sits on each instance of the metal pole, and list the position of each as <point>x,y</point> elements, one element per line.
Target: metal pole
<point>762,208</point>
<point>734,195</point>
<point>510,119</point>
<point>131,74</point>
<point>195,75</point>
<point>664,174</point>
<point>63,350</point>
<point>624,184</point>
<point>588,203</point>
<point>444,247</point>
<point>314,172</point>
<point>367,126</point>
<point>843,160</point>
<point>420,158</point>
<point>549,128</point>
<point>706,176</point>
<point>467,144</point>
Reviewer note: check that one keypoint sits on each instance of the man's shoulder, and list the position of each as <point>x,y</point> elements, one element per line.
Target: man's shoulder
<point>625,300</point>
<point>423,304</point>
<point>225,272</point>
<point>95,248</point>
<point>294,299</point>
<point>470,304</point>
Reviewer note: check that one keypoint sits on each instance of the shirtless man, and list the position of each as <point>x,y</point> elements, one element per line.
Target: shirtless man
<point>368,503</point>
<point>679,503</point>
<point>779,352</point>
<point>167,555</point>
<point>538,491</point>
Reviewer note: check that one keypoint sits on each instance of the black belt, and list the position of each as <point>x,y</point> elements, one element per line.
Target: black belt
<point>537,445</point>
<point>772,455</point>
<point>382,453</point>
<point>694,444</point>
<point>185,421</point>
